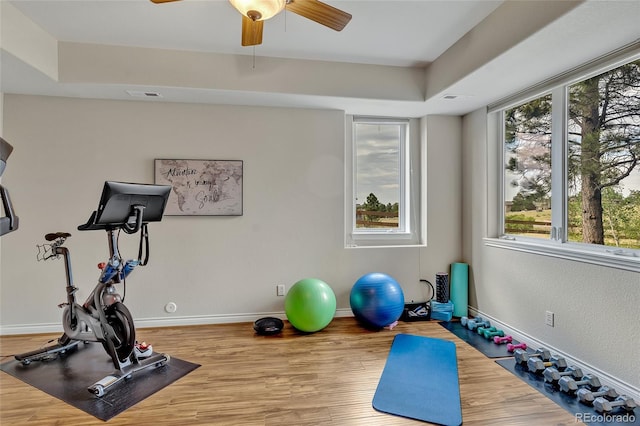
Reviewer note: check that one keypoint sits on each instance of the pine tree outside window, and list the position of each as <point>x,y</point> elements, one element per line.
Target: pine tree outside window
<point>571,165</point>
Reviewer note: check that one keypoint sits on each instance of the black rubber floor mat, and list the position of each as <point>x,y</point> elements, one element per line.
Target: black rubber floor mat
<point>487,347</point>
<point>583,413</point>
<point>68,377</point>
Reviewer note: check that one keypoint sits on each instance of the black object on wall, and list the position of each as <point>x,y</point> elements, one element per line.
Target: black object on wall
<point>10,222</point>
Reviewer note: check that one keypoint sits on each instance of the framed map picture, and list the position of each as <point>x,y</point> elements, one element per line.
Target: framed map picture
<point>201,187</point>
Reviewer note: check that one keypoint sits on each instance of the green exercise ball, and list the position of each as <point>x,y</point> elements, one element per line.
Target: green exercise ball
<point>310,305</point>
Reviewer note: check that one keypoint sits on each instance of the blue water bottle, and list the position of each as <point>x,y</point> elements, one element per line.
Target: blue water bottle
<point>109,271</point>
<point>128,267</point>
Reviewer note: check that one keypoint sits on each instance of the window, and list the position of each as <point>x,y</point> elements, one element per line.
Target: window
<point>527,168</point>
<point>383,200</point>
<point>603,182</point>
<point>571,165</point>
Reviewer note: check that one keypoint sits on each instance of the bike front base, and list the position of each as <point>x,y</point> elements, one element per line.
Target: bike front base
<point>102,386</point>
<point>48,352</point>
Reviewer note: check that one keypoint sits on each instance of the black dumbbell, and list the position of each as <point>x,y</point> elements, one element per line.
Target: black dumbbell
<point>569,385</point>
<point>603,405</point>
<point>587,396</point>
<point>552,374</point>
<point>537,365</point>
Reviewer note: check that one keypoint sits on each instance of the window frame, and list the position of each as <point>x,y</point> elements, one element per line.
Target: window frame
<point>411,230</point>
<point>558,244</point>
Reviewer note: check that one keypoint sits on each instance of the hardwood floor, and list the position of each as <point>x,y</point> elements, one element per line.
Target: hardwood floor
<point>325,378</point>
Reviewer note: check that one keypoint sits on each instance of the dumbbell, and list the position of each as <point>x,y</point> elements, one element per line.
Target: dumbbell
<point>603,405</point>
<point>537,365</point>
<point>543,354</point>
<point>482,329</point>
<point>465,320</point>
<point>587,396</point>
<point>512,348</point>
<point>489,334</point>
<point>474,323</point>
<point>569,385</point>
<point>552,375</point>
<point>498,340</point>
<point>522,356</point>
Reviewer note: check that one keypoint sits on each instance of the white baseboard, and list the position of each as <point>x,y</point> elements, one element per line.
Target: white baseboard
<point>169,321</point>
<point>30,329</point>
<point>217,319</point>
<point>621,386</point>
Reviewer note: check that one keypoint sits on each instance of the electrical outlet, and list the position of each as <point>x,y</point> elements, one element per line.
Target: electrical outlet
<point>548,319</point>
<point>280,290</point>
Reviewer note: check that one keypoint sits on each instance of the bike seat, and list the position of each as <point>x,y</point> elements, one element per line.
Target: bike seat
<point>55,235</point>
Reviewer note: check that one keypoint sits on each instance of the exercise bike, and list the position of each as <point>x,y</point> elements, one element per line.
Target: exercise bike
<point>103,317</point>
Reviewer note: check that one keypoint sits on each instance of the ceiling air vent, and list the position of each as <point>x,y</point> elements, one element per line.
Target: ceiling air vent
<point>143,94</point>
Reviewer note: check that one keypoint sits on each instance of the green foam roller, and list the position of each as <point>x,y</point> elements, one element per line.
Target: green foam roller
<point>460,289</point>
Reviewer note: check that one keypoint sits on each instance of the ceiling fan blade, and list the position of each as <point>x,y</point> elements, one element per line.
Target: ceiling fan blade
<point>162,1</point>
<point>319,12</point>
<point>251,31</point>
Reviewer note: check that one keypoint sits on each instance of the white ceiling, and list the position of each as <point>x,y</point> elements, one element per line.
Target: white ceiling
<point>382,32</point>
<point>396,32</point>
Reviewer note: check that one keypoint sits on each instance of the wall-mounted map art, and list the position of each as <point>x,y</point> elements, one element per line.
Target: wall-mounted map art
<point>202,187</point>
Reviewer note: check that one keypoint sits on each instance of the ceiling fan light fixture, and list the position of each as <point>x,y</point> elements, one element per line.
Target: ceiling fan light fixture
<point>259,10</point>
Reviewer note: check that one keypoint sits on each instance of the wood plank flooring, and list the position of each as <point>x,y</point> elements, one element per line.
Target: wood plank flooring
<point>325,378</point>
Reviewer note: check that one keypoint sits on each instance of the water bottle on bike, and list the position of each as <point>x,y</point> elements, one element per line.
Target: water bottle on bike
<point>109,270</point>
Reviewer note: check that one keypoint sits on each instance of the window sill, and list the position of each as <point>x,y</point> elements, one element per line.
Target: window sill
<point>568,251</point>
<point>378,246</point>
<point>384,240</point>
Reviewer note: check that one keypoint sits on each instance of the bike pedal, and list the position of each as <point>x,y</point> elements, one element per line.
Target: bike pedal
<point>143,350</point>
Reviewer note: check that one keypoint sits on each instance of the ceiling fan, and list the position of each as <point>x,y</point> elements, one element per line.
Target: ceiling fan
<point>255,12</point>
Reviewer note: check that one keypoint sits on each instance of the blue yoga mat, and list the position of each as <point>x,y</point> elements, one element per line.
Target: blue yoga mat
<point>420,381</point>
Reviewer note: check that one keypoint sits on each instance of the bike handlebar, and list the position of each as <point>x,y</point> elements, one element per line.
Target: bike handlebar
<point>11,221</point>
<point>132,228</point>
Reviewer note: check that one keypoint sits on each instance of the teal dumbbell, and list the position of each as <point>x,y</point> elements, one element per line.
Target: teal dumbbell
<point>481,330</point>
<point>490,334</point>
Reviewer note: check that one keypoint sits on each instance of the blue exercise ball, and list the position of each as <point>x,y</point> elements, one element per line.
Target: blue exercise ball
<point>376,300</point>
<point>310,305</point>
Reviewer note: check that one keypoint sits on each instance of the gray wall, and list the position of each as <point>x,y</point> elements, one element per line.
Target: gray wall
<point>216,269</point>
